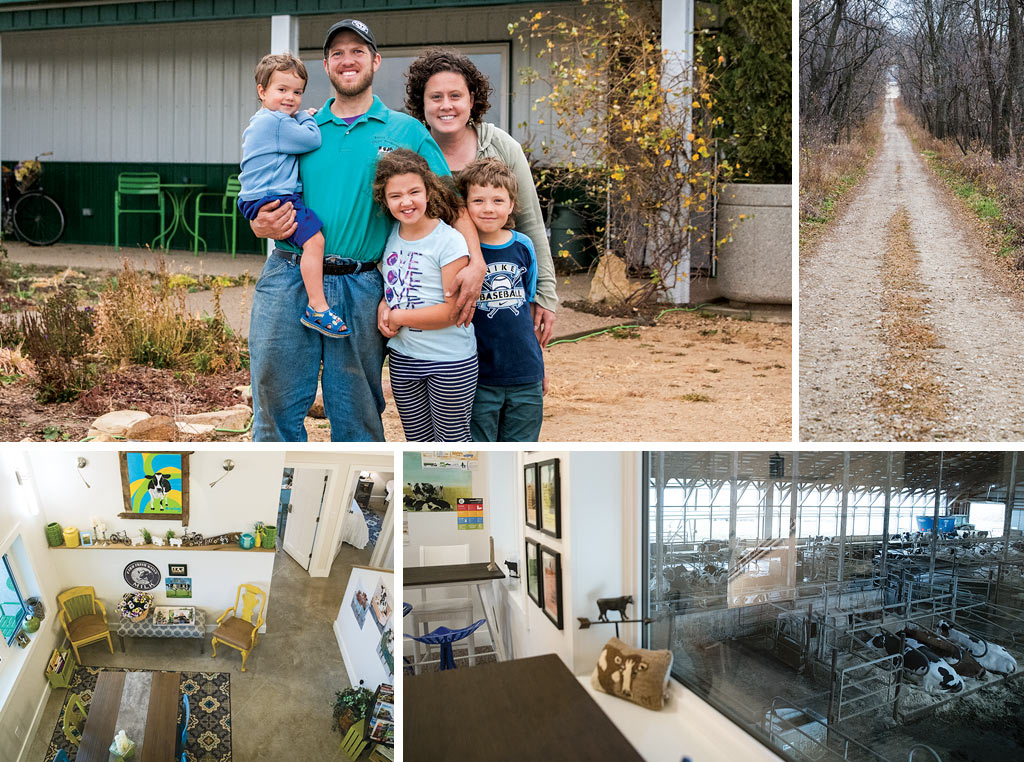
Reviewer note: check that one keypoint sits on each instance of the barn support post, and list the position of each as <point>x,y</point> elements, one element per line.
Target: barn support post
<point>842,517</point>
<point>885,518</point>
<point>734,470</point>
<point>791,561</point>
<point>831,700</point>
<point>284,34</point>
<point>935,525</point>
<point>677,43</point>
<point>1011,484</point>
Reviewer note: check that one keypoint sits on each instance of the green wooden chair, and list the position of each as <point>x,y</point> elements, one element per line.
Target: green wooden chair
<point>143,184</point>
<point>228,211</point>
<point>74,719</point>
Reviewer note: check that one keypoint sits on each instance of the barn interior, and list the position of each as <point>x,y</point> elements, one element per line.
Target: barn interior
<point>770,575</point>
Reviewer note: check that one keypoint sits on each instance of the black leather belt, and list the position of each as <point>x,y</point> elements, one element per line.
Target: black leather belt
<point>330,268</point>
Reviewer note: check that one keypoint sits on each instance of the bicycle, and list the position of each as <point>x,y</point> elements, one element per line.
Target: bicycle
<point>28,212</point>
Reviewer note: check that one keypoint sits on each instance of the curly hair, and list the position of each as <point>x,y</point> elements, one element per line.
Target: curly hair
<point>490,173</point>
<point>443,203</point>
<point>436,60</point>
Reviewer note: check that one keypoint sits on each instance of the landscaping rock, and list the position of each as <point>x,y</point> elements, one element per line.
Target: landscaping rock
<point>157,428</point>
<point>95,435</point>
<point>116,423</point>
<point>234,418</point>
<point>195,429</point>
<point>610,283</point>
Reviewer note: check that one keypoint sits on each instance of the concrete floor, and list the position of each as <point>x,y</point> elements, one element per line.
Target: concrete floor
<point>281,706</point>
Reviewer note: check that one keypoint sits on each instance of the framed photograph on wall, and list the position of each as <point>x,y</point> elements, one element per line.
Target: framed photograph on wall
<point>530,493</point>
<point>155,485</point>
<point>86,538</point>
<point>533,570</point>
<point>549,486</point>
<point>551,584</point>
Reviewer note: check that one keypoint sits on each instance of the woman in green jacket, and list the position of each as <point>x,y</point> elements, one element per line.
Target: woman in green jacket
<point>449,94</point>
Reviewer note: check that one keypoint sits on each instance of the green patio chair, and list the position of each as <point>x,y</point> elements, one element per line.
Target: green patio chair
<point>137,184</point>
<point>228,211</point>
<point>74,719</point>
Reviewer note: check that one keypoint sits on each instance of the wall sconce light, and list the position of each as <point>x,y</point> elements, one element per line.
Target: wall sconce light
<point>82,463</point>
<point>228,465</point>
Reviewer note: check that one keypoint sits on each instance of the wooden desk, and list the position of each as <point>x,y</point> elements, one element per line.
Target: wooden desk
<point>475,575</point>
<point>507,712</point>
<point>154,732</point>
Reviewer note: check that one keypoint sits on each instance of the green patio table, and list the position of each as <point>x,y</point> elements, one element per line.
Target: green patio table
<point>178,193</point>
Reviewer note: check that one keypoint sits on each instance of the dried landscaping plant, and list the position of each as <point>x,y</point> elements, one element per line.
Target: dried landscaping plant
<point>56,339</point>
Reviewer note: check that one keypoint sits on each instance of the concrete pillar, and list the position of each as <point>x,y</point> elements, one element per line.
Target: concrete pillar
<point>284,34</point>
<point>677,40</point>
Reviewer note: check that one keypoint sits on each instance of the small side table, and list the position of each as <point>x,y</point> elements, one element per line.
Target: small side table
<point>148,628</point>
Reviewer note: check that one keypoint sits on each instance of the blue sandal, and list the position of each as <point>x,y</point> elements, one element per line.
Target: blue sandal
<point>327,322</point>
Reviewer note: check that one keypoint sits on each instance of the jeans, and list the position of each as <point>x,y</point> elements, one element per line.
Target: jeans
<point>508,413</point>
<point>285,356</point>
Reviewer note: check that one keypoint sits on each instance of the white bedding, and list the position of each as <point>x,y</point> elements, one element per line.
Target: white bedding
<point>355,531</point>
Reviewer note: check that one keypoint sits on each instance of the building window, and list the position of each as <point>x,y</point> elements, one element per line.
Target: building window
<point>773,578</point>
<point>389,81</point>
<point>12,604</point>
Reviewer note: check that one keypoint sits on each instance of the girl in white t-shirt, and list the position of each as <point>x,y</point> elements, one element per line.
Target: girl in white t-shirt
<point>432,361</point>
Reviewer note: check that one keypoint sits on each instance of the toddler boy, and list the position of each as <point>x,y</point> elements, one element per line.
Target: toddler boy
<point>509,401</point>
<point>276,135</point>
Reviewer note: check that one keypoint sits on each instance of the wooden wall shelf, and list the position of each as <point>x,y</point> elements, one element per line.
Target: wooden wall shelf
<point>232,547</point>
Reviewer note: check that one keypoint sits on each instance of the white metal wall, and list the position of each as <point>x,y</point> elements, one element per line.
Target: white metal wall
<point>184,92</point>
<point>153,93</point>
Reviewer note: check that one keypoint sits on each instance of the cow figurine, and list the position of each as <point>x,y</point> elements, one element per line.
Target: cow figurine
<point>991,656</point>
<point>158,541</point>
<point>604,605</point>
<point>921,662</point>
<point>140,540</point>
<point>960,658</point>
<point>616,670</point>
<point>159,487</point>
<point>174,542</point>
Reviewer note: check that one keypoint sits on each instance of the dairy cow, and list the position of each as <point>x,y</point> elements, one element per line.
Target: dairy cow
<point>960,658</point>
<point>991,656</point>
<point>918,660</point>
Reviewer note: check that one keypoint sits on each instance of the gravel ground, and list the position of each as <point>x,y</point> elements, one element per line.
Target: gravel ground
<point>979,325</point>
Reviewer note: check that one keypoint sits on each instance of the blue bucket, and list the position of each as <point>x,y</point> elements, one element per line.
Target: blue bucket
<point>925,523</point>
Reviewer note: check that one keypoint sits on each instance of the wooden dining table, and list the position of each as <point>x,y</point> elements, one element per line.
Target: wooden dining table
<point>143,704</point>
<point>508,711</point>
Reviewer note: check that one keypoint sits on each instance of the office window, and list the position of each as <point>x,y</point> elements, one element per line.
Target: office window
<point>12,605</point>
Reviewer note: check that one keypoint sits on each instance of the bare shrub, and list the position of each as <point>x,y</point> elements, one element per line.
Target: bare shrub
<point>56,339</point>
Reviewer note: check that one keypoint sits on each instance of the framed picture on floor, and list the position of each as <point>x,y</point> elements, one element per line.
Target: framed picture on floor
<point>530,493</point>
<point>549,486</point>
<point>533,570</point>
<point>551,584</point>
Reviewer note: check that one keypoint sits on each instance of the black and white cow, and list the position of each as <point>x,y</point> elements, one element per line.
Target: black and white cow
<point>991,656</point>
<point>918,660</point>
<point>159,488</point>
<point>961,659</point>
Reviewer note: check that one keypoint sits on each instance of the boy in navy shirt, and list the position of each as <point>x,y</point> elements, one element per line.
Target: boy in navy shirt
<point>271,145</point>
<point>509,401</point>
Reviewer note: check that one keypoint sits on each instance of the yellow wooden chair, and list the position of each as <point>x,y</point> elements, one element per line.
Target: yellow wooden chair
<point>240,631</point>
<point>80,620</point>
<point>74,719</point>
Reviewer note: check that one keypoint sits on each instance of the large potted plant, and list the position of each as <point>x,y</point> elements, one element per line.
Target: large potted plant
<point>350,706</point>
<point>753,98</point>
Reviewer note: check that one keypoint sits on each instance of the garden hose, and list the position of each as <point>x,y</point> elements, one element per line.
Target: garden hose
<point>621,327</point>
<point>247,428</point>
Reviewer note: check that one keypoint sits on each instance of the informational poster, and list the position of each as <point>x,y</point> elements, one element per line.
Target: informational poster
<point>471,512</point>
<point>461,461</point>
<point>433,490</point>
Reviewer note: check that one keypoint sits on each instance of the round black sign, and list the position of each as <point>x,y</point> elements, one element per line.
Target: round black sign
<point>142,575</point>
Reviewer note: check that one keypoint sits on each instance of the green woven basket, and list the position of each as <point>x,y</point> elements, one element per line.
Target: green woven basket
<point>269,536</point>
<point>54,534</point>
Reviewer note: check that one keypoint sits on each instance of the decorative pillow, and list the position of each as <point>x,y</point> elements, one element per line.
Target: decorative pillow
<point>635,674</point>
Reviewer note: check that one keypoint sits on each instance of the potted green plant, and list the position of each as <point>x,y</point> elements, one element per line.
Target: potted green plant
<point>350,706</point>
<point>147,537</point>
<point>169,536</point>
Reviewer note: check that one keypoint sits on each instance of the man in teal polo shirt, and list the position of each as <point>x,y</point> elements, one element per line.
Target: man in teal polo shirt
<point>337,178</point>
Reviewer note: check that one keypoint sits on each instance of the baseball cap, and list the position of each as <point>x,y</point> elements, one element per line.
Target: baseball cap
<point>354,25</point>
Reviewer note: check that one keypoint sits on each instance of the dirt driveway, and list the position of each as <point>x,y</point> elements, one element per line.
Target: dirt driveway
<point>973,364</point>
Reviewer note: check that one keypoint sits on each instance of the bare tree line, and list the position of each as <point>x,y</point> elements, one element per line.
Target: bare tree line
<point>846,47</point>
<point>961,72</point>
<point>959,65</point>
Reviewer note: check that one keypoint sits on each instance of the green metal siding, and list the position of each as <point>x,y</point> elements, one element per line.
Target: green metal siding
<point>78,185</point>
<point>170,11</point>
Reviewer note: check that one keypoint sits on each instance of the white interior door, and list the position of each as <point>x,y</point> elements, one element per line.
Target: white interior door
<point>309,485</point>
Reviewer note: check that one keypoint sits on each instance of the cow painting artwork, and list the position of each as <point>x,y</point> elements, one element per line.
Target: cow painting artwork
<point>155,485</point>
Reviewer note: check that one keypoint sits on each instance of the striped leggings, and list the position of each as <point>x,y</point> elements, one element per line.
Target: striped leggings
<point>434,399</point>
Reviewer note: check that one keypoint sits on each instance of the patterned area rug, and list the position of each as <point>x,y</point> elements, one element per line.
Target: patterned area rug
<point>374,521</point>
<point>209,698</point>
